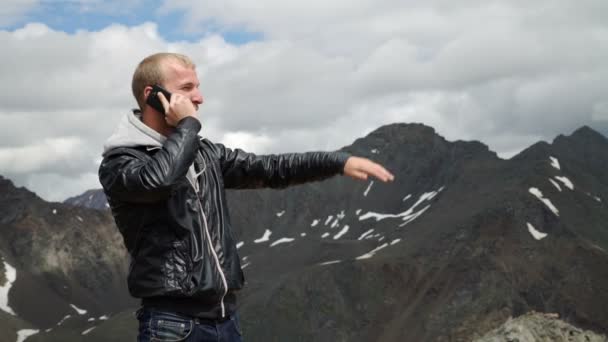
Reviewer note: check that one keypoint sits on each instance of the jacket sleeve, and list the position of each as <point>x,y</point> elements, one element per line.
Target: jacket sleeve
<point>125,177</point>
<point>242,170</point>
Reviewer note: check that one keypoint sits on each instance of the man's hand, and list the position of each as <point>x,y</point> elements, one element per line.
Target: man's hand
<point>361,168</point>
<point>178,108</point>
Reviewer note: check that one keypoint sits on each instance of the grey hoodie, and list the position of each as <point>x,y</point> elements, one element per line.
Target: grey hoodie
<point>131,132</point>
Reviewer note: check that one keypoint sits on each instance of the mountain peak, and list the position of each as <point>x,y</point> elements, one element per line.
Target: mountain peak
<point>413,132</point>
<point>583,140</point>
<point>9,190</point>
<point>586,133</point>
<point>399,134</point>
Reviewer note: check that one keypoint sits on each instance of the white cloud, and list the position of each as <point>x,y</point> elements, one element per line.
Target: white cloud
<point>247,141</point>
<point>507,73</point>
<point>600,111</point>
<point>57,187</point>
<point>12,11</point>
<point>56,153</point>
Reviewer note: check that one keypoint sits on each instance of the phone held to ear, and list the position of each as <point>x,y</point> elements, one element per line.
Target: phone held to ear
<point>153,100</point>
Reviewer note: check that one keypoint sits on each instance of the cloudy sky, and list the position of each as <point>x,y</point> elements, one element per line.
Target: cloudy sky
<point>285,76</point>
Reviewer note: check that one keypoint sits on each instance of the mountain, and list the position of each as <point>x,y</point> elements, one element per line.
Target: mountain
<point>62,266</point>
<point>454,259</point>
<point>460,242</point>
<point>93,199</point>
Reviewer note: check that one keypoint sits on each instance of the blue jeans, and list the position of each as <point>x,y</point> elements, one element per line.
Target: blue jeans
<point>163,326</point>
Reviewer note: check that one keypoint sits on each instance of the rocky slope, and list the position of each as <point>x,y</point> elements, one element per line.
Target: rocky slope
<point>536,327</point>
<point>93,199</point>
<point>60,264</point>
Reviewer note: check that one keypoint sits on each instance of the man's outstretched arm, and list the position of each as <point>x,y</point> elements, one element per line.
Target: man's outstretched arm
<point>247,170</point>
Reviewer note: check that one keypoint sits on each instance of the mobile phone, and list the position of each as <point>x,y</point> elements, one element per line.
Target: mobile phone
<point>153,100</point>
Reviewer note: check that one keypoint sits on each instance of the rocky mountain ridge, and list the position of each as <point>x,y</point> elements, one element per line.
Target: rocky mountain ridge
<point>460,242</point>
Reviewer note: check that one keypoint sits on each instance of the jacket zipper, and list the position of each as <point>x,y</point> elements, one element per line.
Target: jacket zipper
<point>217,260</point>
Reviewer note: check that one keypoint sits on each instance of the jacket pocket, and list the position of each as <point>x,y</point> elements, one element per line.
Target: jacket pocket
<point>178,268</point>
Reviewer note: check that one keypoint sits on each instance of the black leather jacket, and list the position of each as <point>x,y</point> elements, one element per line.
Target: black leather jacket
<point>175,222</point>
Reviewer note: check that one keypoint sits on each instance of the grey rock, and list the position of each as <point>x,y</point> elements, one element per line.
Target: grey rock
<point>539,327</point>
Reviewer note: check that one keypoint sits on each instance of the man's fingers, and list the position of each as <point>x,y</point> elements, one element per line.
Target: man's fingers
<point>163,100</point>
<point>359,175</point>
<point>380,172</point>
<point>387,176</point>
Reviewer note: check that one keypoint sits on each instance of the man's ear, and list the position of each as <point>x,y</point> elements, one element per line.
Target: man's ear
<point>147,91</point>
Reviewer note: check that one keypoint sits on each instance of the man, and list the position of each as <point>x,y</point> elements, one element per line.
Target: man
<point>165,186</point>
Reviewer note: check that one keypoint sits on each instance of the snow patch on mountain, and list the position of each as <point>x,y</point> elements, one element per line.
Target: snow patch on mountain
<point>330,262</point>
<point>265,237</point>
<point>10,274</point>
<point>372,252</point>
<point>555,184</point>
<point>414,216</point>
<point>535,233</point>
<point>25,333</point>
<point>80,311</point>
<point>88,331</point>
<point>555,163</point>
<point>538,194</point>
<point>566,182</point>
<point>341,233</point>
<point>368,188</point>
<point>64,319</point>
<point>281,240</point>
<point>364,235</point>
<point>409,215</point>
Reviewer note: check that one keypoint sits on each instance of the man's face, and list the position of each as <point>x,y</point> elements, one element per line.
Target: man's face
<point>182,80</point>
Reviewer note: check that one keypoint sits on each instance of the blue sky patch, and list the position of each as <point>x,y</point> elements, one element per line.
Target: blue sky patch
<point>69,17</point>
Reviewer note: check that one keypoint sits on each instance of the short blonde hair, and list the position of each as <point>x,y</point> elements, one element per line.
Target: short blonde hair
<point>150,72</point>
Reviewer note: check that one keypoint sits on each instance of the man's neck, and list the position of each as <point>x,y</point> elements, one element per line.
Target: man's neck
<point>157,122</point>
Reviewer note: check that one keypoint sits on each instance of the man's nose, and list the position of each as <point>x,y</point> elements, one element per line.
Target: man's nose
<point>198,98</point>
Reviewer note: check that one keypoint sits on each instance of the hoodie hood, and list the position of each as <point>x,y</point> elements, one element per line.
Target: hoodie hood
<point>131,132</point>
